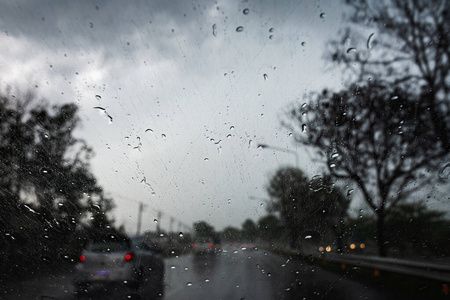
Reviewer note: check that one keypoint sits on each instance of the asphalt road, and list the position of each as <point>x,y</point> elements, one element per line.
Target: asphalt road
<point>233,274</point>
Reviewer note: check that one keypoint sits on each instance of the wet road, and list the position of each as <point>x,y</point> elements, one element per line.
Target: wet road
<point>233,274</point>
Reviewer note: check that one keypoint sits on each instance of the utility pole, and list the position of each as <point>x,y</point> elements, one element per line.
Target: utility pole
<point>158,220</point>
<point>141,209</point>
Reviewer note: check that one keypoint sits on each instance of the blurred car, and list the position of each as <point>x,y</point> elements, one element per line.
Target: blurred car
<point>205,245</point>
<point>120,260</point>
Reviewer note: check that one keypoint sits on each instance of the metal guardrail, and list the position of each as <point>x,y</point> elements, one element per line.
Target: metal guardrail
<point>440,272</point>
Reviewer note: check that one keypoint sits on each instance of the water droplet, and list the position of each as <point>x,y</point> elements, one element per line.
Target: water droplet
<point>29,208</point>
<point>91,24</point>
<point>60,204</point>
<point>394,98</point>
<point>351,50</point>
<point>303,44</point>
<point>271,37</point>
<point>239,29</point>
<point>214,30</point>
<point>181,234</point>
<point>369,40</point>
<point>163,136</point>
<point>189,284</point>
<point>349,192</point>
<point>206,159</point>
<point>444,172</point>
<point>268,274</point>
<point>334,155</point>
<point>265,77</point>
<point>206,280</point>
<point>271,30</point>
<point>229,136</point>
<point>147,130</point>
<point>323,15</point>
<point>98,97</point>
<point>290,134</point>
<point>232,127</point>
<point>44,171</point>
<point>303,127</point>
<point>229,201</point>
<point>246,11</point>
<point>46,136</point>
<point>172,267</point>
<point>308,237</point>
<point>332,165</point>
<point>156,221</point>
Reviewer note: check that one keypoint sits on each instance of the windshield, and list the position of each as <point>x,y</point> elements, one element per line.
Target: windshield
<point>251,149</point>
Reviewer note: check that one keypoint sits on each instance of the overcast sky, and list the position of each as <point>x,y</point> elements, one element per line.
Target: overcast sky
<point>190,95</point>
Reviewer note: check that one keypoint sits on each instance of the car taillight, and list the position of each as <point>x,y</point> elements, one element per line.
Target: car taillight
<point>210,245</point>
<point>82,258</point>
<point>129,257</point>
<point>193,246</point>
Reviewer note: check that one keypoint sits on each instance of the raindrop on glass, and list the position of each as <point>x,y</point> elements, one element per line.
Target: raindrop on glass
<point>239,29</point>
<point>323,15</point>
<point>206,159</point>
<point>265,77</point>
<point>303,127</point>
<point>156,221</point>
<point>189,284</point>
<point>163,136</point>
<point>214,30</point>
<point>303,43</point>
<point>98,97</point>
<point>351,50</point>
<point>444,172</point>
<point>229,136</point>
<point>271,29</point>
<point>246,11</point>
<point>181,234</point>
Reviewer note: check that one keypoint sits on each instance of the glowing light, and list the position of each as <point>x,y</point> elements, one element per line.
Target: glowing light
<point>328,248</point>
<point>352,246</point>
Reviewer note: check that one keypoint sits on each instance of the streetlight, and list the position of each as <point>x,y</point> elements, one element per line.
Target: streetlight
<point>264,146</point>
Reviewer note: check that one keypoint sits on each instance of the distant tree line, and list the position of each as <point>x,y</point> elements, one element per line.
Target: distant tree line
<point>50,202</point>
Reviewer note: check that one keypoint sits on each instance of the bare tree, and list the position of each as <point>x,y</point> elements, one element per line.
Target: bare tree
<point>403,44</point>
<point>378,137</point>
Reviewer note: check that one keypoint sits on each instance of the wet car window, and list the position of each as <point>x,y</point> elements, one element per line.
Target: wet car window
<point>224,149</point>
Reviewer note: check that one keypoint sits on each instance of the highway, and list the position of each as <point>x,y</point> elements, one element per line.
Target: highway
<point>235,273</point>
